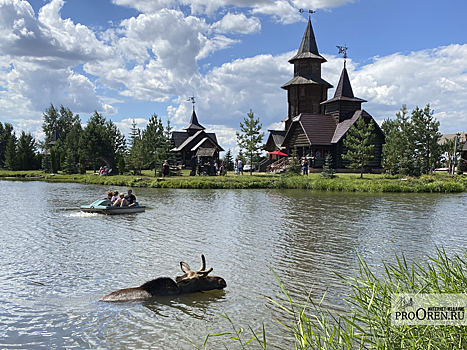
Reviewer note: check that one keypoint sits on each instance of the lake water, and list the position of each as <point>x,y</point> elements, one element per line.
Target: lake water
<point>57,262</point>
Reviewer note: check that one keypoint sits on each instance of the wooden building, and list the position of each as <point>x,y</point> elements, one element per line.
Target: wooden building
<point>316,126</point>
<point>195,144</point>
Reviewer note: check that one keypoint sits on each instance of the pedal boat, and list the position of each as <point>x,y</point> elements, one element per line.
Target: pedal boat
<point>104,206</point>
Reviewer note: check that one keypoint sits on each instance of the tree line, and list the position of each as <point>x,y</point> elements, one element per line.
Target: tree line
<point>69,147</point>
<point>412,144</point>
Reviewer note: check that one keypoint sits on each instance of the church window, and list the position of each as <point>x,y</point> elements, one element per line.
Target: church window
<point>302,91</point>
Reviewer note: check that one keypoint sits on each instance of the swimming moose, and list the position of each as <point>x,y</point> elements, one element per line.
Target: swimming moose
<point>189,282</point>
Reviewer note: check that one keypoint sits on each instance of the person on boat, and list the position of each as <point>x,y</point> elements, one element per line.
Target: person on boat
<point>115,196</point>
<point>121,202</point>
<point>109,195</point>
<point>130,198</point>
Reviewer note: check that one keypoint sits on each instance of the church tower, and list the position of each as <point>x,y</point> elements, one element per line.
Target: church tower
<point>343,105</point>
<point>307,90</point>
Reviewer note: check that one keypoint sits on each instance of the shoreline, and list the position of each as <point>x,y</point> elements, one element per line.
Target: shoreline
<point>344,182</point>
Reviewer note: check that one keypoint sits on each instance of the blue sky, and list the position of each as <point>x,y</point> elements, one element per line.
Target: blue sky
<point>129,59</point>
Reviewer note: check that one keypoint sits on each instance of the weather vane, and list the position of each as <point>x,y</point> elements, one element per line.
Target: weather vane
<point>343,49</point>
<point>309,11</point>
<point>192,100</point>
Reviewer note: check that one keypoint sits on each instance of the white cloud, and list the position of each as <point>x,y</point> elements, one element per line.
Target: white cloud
<point>284,10</point>
<point>437,76</point>
<point>237,23</point>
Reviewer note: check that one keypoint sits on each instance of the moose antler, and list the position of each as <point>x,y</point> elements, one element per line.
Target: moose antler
<point>202,272</point>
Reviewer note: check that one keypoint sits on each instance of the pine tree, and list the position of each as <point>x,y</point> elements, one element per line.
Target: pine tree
<point>5,135</point>
<point>46,164</point>
<point>95,139</point>
<point>26,149</point>
<point>359,144</point>
<point>12,160</point>
<point>426,138</point>
<point>69,166</point>
<point>229,162</point>
<point>155,143</point>
<point>328,171</point>
<point>250,138</point>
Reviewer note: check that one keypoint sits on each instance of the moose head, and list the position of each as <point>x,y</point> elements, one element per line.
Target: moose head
<point>197,281</point>
<point>189,282</point>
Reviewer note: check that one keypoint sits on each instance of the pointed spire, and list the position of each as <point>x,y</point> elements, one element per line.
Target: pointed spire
<point>308,47</point>
<point>344,89</point>
<point>194,124</point>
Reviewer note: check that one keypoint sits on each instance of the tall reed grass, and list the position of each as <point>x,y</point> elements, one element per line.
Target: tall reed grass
<point>367,323</point>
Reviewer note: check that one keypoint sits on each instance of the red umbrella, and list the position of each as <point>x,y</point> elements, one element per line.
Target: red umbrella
<point>278,153</point>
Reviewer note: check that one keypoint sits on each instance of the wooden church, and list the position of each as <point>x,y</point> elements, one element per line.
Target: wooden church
<point>316,126</point>
<point>194,144</point>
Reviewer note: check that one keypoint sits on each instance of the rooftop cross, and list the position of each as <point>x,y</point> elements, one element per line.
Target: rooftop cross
<point>343,49</point>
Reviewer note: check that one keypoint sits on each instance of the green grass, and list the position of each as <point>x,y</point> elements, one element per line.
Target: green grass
<point>344,182</point>
<point>367,324</point>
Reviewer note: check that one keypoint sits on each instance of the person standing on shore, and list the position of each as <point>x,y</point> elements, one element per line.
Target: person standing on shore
<point>165,169</point>
<point>304,166</point>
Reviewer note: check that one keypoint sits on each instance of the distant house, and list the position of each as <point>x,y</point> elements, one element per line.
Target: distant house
<point>195,142</point>
<point>461,145</point>
<point>316,126</point>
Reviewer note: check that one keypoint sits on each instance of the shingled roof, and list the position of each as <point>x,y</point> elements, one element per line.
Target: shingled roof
<point>319,129</point>
<point>308,47</point>
<point>299,80</point>
<point>344,90</point>
<point>345,125</point>
<point>194,124</point>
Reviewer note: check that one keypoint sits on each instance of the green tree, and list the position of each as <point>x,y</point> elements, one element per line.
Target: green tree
<point>117,140</point>
<point>137,155</point>
<point>328,171</point>
<point>50,124</point>
<point>95,140</point>
<point>72,140</point>
<point>12,161</point>
<point>250,138</point>
<point>155,142</point>
<point>359,142</point>
<point>229,161</point>
<point>27,151</point>
<point>5,134</point>
<point>121,165</point>
<point>46,163</point>
<point>426,138</point>
<point>59,120</point>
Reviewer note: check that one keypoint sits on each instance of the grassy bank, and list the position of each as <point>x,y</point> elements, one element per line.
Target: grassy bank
<point>367,324</point>
<point>439,183</point>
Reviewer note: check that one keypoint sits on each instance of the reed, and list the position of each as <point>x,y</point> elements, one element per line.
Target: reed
<point>367,324</point>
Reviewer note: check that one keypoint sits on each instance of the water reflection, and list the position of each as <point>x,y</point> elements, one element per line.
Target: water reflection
<point>57,262</point>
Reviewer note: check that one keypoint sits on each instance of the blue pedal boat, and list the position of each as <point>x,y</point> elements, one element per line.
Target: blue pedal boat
<point>104,206</point>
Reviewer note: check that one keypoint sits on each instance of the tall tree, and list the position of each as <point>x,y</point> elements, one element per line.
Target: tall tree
<point>117,140</point>
<point>426,137</point>
<point>26,151</point>
<point>72,141</point>
<point>5,134</point>
<point>250,138</point>
<point>154,141</point>
<point>137,156</point>
<point>11,154</point>
<point>229,161</point>
<point>359,142</point>
<point>95,141</point>
<point>50,124</point>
